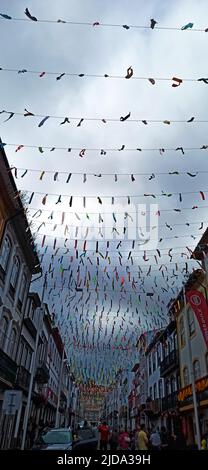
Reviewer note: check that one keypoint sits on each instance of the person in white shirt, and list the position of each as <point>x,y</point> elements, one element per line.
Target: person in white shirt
<point>155,440</point>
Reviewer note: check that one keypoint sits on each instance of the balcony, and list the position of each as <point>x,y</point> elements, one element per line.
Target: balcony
<point>153,408</point>
<point>23,378</point>
<point>30,325</point>
<point>42,374</point>
<point>8,368</point>
<point>169,363</point>
<point>170,402</point>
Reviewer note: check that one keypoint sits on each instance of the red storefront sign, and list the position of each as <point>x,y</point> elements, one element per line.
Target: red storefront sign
<point>199,305</point>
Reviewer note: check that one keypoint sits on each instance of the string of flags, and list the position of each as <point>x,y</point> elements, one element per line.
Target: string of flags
<point>38,212</point>
<point>98,250</point>
<point>80,120</point>
<point>113,199</point>
<point>22,172</point>
<point>103,151</point>
<point>175,81</point>
<point>58,224</point>
<point>153,24</point>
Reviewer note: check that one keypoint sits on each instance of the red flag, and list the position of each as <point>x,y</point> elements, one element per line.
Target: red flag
<point>199,305</point>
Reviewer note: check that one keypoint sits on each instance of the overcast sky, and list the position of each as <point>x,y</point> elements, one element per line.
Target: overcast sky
<point>108,50</point>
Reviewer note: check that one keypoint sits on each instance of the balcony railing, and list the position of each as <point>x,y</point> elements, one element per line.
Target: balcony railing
<point>23,378</point>
<point>169,363</point>
<point>170,402</point>
<point>8,368</point>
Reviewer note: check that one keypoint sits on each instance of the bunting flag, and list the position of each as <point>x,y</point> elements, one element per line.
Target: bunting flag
<point>96,23</point>
<point>105,120</point>
<point>176,81</point>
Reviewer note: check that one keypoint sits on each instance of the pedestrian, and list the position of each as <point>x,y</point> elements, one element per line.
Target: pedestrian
<point>164,438</point>
<point>104,436</point>
<point>86,425</point>
<point>203,443</point>
<point>31,433</point>
<point>133,440</point>
<point>142,439</point>
<point>124,440</point>
<point>114,440</point>
<point>155,440</point>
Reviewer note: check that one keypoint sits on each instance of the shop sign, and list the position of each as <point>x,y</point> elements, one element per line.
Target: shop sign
<point>200,386</point>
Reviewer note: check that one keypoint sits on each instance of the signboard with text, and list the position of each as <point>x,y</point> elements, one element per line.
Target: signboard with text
<point>12,401</point>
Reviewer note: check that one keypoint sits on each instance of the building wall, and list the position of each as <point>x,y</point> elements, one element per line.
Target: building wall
<point>198,346</point>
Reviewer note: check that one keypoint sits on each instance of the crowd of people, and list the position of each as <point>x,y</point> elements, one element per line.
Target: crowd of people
<point>142,439</point>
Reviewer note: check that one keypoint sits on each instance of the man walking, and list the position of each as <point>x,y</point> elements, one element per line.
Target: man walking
<point>104,435</point>
<point>142,439</point>
<point>155,440</point>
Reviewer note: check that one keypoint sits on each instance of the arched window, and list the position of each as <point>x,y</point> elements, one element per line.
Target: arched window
<point>5,252</point>
<point>4,331</point>
<point>12,342</point>
<point>182,332</point>
<point>191,322</point>
<point>22,287</point>
<point>15,271</point>
<point>185,376</point>
<point>197,369</point>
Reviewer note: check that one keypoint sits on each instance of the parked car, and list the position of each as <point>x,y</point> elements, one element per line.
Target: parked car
<point>54,439</point>
<point>85,439</point>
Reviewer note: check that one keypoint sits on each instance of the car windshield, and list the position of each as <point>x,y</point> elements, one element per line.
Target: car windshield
<point>85,434</point>
<point>56,437</point>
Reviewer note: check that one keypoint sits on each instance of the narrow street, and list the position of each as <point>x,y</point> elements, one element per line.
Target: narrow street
<point>103,226</point>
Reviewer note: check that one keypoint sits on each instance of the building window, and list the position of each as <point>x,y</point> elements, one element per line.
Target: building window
<point>197,369</point>
<point>29,360</point>
<point>5,252</point>
<point>153,361</point>
<point>173,384</point>
<point>4,332</point>
<point>12,342</point>
<point>191,322</point>
<point>23,287</point>
<point>185,376</point>
<point>155,391</point>
<point>24,356</point>
<point>182,332</point>
<point>20,352</point>
<point>15,271</point>
<point>150,365</point>
<point>158,354</point>
<point>150,391</point>
<point>167,387</point>
<point>32,310</point>
<point>160,388</point>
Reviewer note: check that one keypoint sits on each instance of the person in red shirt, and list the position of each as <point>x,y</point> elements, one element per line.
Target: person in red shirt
<point>124,440</point>
<point>104,435</point>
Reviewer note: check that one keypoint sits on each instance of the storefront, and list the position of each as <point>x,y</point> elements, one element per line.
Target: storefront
<point>186,408</point>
